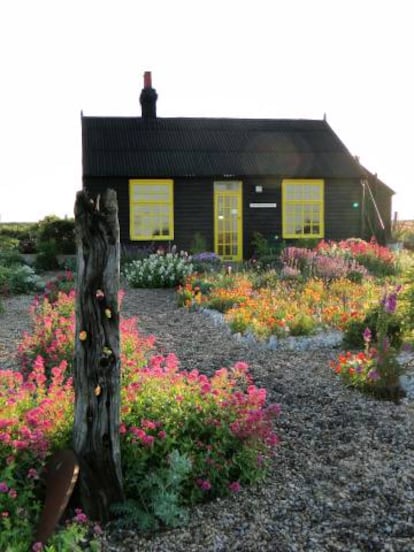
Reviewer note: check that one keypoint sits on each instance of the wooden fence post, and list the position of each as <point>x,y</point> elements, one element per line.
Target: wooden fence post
<point>97,377</point>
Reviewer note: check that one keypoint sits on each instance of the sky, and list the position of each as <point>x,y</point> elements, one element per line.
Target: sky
<point>349,59</point>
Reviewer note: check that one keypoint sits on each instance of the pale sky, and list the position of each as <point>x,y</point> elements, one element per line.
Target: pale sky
<point>350,59</point>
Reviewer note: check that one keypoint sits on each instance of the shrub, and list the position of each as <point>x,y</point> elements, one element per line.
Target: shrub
<point>283,305</point>
<point>18,279</point>
<point>131,252</point>
<point>60,232</point>
<point>46,259</point>
<point>53,335</point>
<point>376,369</point>
<point>185,437</point>
<point>10,258</point>
<point>205,261</point>
<point>36,419</point>
<point>390,322</point>
<point>378,260</point>
<point>327,264</point>
<point>198,244</point>
<point>219,427</point>
<point>7,243</point>
<point>158,270</point>
<point>64,281</point>
<point>23,233</point>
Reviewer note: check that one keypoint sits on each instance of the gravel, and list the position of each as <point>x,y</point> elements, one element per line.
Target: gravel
<point>343,477</point>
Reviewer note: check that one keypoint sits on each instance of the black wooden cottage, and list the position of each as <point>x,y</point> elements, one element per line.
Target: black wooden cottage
<point>225,179</point>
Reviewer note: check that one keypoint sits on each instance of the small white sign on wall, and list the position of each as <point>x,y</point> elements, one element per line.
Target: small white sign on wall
<point>269,205</point>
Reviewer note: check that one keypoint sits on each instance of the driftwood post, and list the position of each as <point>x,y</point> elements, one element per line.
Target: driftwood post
<point>97,354</point>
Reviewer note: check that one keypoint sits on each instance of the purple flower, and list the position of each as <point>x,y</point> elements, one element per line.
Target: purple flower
<point>389,301</point>
<point>373,374</point>
<point>367,335</point>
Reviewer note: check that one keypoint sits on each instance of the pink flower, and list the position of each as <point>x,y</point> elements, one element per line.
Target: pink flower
<point>148,424</point>
<point>235,487</point>
<point>3,487</point>
<point>241,367</point>
<point>32,474</point>
<point>97,530</point>
<point>204,484</point>
<point>205,388</point>
<point>80,517</point>
<point>162,434</point>
<point>148,440</point>
<point>37,547</point>
<point>12,493</point>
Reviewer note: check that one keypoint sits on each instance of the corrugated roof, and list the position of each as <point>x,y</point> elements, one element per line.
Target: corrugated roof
<point>175,147</point>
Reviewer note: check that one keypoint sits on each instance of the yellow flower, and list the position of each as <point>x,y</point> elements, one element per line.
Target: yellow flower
<point>108,313</point>
<point>83,335</point>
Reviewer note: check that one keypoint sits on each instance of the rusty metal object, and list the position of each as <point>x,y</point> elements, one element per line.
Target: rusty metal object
<point>62,472</point>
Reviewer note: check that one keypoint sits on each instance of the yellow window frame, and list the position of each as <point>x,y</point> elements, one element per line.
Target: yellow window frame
<point>149,202</point>
<point>300,209</point>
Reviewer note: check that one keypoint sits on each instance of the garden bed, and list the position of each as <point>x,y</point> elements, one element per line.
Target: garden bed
<point>343,475</point>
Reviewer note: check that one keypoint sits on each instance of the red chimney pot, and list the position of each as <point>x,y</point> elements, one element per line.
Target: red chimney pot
<point>147,79</point>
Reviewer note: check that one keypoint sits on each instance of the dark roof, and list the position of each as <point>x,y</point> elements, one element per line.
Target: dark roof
<point>174,147</point>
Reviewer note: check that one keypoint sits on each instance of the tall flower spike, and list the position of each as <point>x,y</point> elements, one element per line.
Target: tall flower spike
<point>367,335</point>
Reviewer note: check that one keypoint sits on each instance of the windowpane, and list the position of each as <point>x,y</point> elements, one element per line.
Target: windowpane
<point>302,202</point>
<point>151,209</point>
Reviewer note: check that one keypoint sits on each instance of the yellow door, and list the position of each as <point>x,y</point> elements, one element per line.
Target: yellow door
<point>228,217</point>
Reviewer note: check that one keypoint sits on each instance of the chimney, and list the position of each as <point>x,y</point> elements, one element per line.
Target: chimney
<point>148,98</point>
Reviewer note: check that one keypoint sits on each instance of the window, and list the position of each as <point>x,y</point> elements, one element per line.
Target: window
<point>303,203</point>
<point>151,210</point>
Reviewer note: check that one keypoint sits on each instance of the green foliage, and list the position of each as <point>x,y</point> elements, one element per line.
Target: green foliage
<point>302,324</point>
<point>63,282</point>
<point>7,243</point>
<point>131,253</point>
<point>160,496</point>
<point>306,243</point>
<point>47,259</point>
<point>18,279</point>
<point>407,304</point>
<point>18,505</point>
<point>354,329</point>
<point>265,252</point>
<point>265,279</point>
<point>10,257</point>
<point>60,232</point>
<point>376,370</point>
<point>185,437</point>
<point>24,233</point>
<point>198,243</point>
<point>158,270</point>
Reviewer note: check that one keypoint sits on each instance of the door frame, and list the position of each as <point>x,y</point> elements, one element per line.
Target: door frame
<point>234,189</point>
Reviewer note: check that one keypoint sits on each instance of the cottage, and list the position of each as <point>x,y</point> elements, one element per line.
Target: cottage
<point>225,179</point>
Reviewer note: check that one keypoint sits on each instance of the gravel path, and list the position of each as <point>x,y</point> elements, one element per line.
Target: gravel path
<point>343,478</point>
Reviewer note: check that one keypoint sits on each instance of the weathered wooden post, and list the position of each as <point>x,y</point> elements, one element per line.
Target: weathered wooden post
<point>97,364</point>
